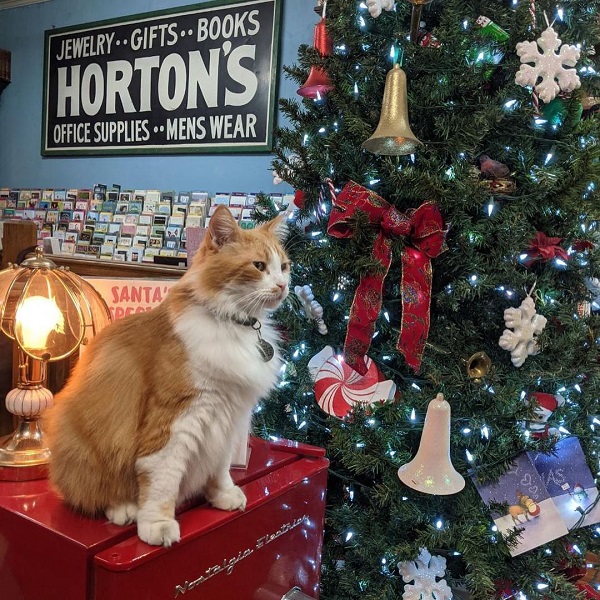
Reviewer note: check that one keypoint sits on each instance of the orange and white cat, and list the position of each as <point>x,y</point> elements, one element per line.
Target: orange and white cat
<point>148,418</point>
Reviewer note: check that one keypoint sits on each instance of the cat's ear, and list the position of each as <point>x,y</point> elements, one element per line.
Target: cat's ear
<point>279,227</point>
<point>222,227</point>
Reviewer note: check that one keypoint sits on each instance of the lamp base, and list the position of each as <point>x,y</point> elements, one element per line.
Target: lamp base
<point>23,473</point>
<point>23,449</point>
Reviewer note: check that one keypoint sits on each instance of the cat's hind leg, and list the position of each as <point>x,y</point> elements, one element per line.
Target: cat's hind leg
<point>122,514</point>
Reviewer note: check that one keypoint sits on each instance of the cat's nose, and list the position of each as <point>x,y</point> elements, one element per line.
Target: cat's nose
<point>282,286</point>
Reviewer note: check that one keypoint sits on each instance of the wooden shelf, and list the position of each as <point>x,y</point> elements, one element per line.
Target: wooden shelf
<point>98,268</point>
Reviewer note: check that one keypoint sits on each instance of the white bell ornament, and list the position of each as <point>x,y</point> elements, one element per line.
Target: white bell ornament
<point>431,470</point>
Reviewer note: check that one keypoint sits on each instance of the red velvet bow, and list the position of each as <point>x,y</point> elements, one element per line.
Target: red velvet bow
<point>424,229</point>
<point>542,247</point>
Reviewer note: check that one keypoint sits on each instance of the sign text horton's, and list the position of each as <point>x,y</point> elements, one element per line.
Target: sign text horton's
<point>199,78</point>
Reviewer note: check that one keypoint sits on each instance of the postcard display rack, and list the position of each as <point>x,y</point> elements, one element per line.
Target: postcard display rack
<point>49,552</point>
<point>124,225</point>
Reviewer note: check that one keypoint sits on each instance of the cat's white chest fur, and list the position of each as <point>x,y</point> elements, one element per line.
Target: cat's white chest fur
<point>225,353</point>
<point>230,377</point>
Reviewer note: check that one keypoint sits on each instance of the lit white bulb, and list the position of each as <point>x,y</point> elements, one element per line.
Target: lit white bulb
<point>35,319</point>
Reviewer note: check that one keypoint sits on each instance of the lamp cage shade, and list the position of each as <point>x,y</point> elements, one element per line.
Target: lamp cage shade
<point>47,310</point>
<point>95,310</point>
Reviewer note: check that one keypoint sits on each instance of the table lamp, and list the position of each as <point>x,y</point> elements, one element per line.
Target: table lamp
<point>49,312</point>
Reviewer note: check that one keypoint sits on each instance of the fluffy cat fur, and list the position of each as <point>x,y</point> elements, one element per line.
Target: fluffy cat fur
<point>147,418</point>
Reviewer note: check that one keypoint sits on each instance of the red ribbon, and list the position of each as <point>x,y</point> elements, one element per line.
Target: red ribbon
<point>424,230</point>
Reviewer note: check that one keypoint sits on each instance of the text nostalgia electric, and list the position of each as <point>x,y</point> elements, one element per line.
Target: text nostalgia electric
<point>178,80</point>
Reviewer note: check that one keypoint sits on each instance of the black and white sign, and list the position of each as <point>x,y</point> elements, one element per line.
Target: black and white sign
<point>199,78</point>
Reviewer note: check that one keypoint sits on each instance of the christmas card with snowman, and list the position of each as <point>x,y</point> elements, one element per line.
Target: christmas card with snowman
<point>543,496</point>
<point>569,482</point>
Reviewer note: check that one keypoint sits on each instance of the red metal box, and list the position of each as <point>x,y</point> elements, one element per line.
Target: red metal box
<point>48,552</point>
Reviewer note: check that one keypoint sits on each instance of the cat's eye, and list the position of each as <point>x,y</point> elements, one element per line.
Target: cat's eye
<point>261,266</point>
<point>285,266</point>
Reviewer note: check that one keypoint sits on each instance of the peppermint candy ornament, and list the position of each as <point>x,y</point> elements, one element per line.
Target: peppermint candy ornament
<point>338,387</point>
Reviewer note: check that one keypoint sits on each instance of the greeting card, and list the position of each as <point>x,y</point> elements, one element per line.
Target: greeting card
<point>544,495</point>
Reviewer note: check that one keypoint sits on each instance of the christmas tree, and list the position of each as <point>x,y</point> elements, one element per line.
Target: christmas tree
<point>455,248</point>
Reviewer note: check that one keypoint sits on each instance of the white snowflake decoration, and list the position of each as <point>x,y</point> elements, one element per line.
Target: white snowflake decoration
<point>375,6</point>
<point>424,571</point>
<point>287,171</point>
<point>593,285</point>
<point>549,66</point>
<point>527,324</point>
<point>311,307</point>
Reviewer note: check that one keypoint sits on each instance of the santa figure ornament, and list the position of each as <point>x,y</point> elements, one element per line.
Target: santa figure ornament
<point>546,404</point>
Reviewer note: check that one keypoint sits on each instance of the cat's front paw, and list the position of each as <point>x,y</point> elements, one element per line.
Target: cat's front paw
<point>159,533</point>
<point>122,514</point>
<point>229,499</point>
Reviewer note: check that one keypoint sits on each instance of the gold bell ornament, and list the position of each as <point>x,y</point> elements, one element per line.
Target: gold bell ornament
<point>431,470</point>
<point>393,136</point>
<point>318,83</point>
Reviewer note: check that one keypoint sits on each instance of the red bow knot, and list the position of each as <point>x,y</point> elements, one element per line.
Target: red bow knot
<point>423,229</point>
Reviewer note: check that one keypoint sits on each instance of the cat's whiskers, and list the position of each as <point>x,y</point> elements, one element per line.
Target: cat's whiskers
<point>253,302</point>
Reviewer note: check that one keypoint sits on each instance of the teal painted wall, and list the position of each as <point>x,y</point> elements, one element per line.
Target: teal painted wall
<point>21,164</point>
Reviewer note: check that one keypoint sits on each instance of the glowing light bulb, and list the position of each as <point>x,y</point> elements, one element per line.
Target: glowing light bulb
<point>36,319</point>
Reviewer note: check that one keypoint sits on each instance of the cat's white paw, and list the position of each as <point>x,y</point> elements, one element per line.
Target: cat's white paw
<point>122,514</point>
<point>229,499</point>
<point>159,533</point>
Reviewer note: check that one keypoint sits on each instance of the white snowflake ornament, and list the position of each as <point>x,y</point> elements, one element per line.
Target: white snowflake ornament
<point>548,65</point>
<point>288,171</point>
<point>312,308</point>
<point>424,571</point>
<point>526,325</point>
<point>375,6</point>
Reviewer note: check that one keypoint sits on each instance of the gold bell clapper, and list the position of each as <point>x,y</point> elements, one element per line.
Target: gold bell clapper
<point>478,366</point>
<point>318,83</point>
<point>431,470</point>
<point>415,18</point>
<point>393,136</point>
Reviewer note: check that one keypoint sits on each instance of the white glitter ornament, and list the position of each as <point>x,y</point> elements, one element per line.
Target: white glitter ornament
<point>312,308</point>
<point>593,285</point>
<point>424,571</point>
<point>548,65</point>
<point>375,6</point>
<point>527,325</point>
<point>288,171</point>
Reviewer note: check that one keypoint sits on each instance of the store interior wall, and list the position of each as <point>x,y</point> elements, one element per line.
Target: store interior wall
<point>23,166</point>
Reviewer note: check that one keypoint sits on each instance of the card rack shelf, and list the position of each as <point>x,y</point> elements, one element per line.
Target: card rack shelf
<point>96,268</point>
